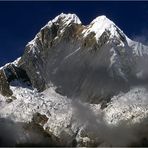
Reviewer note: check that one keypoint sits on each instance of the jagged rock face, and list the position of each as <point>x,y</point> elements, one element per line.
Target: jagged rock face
<point>4,85</point>
<point>40,63</point>
<point>9,74</point>
<point>79,59</point>
<point>61,55</point>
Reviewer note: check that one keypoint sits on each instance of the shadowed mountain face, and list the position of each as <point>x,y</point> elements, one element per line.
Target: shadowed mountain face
<point>11,73</point>
<point>91,62</point>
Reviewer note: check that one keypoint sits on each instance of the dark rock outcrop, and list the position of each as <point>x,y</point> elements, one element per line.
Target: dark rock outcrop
<point>11,73</point>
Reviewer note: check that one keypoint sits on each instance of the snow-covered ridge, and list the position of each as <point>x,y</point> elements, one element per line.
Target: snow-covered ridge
<point>98,26</point>
<point>101,24</point>
<point>15,62</point>
<point>67,18</point>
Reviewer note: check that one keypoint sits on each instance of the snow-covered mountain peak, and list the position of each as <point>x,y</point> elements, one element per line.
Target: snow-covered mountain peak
<point>102,19</point>
<point>66,18</point>
<point>70,70</point>
<point>59,24</point>
<point>103,24</point>
<point>64,41</point>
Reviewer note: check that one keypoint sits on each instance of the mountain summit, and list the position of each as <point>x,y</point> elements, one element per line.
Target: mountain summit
<point>78,59</point>
<point>74,80</point>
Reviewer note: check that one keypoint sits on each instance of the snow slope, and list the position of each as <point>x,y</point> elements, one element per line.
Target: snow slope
<point>68,118</point>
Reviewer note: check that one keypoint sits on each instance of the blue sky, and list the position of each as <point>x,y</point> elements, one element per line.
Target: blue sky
<point>20,21</point>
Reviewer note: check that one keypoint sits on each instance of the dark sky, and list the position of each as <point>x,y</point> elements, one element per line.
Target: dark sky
<point>20,21</point>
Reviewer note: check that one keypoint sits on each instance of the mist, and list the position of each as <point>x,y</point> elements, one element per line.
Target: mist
<point>122,134</point>
<point>21,134</point>
<point>142,37</point>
